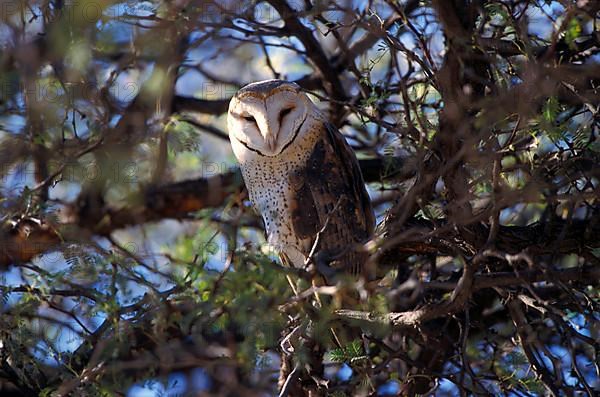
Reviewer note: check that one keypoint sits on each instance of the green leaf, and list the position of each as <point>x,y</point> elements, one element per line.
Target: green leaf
<point>551,109</point>
<point>572,32</point>
<point>351,353</point>
<point>183,137</point>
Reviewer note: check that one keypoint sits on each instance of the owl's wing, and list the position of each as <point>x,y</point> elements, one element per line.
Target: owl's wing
<point>353,175</point>
<point>330,200</point>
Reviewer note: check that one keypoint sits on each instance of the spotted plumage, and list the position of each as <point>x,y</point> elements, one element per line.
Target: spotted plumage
<point>301,175</point>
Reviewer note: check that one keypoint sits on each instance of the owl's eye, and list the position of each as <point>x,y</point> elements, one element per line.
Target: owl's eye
<point>284,113</point>
<point>250,119</point>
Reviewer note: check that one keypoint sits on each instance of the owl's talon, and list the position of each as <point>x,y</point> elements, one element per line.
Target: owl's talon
<point>322,263</point>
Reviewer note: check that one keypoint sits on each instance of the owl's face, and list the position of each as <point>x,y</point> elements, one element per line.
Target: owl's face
<point>266,117</point>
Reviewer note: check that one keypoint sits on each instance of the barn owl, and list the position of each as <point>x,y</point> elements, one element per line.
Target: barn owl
<point>301,175</point>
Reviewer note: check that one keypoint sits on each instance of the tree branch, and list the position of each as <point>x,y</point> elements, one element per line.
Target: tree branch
<point>462,293</point>
<point>21,241</point>
<point>294,27</point>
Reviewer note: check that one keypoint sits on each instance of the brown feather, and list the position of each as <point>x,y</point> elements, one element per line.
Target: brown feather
<point>305,217</point>
<point>330,194</point>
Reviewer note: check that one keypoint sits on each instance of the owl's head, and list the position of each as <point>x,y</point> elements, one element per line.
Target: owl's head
<point>266,117</point>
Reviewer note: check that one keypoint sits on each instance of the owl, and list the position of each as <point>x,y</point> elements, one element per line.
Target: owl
<point>302,178</point>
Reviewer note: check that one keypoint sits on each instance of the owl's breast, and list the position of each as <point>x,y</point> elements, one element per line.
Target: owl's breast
<point>270,192</point>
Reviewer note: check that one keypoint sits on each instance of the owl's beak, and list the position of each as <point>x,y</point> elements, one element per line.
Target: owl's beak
<point>268,132</point>
<point>271,141</point>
